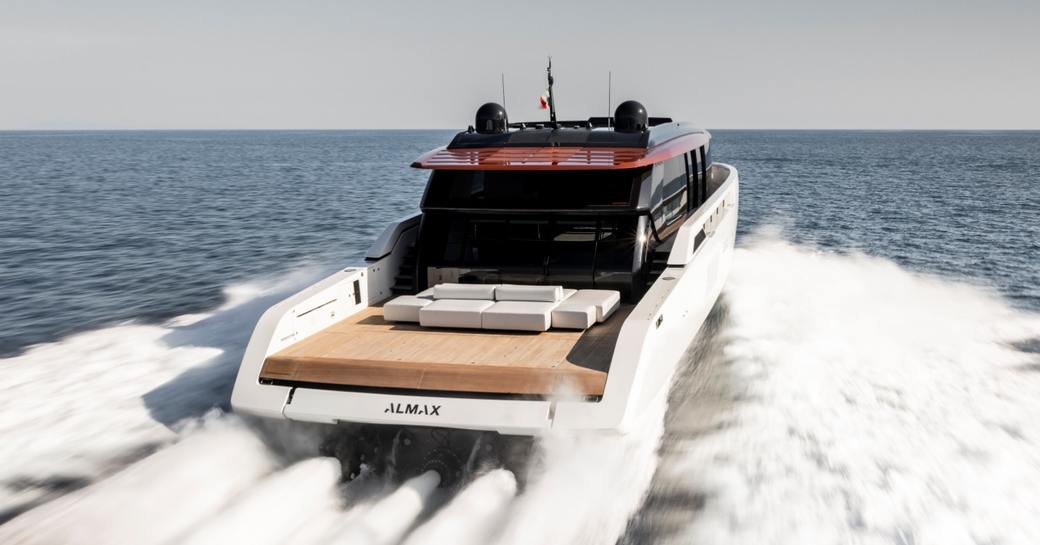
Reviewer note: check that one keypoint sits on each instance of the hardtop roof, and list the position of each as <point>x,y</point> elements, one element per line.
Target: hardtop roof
<point>564,147</point>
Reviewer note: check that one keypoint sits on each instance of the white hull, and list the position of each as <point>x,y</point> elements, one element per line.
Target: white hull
<point>651,343</point>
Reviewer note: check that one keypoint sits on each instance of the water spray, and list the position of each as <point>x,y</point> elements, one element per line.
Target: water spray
<point>388,520</point>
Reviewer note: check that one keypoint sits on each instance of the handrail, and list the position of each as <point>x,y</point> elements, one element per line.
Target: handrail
<point>653,226</point>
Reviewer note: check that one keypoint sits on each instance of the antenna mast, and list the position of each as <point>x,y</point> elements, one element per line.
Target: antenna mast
<point>552,103</point>
<point>503,89</point>
<point>610,86</point>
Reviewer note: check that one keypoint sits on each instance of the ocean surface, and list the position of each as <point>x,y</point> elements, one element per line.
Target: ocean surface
<point>97,228</point>
<point>868,376</point>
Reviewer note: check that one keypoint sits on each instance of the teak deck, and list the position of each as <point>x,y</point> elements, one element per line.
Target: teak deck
<point>365,350</point>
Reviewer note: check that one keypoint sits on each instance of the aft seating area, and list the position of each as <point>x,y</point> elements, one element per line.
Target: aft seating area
<point>366,350</point>
<point>474,338</point>
<point>503,307</point>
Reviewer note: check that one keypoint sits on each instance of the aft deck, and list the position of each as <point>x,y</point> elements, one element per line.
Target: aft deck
<point>364,350</point>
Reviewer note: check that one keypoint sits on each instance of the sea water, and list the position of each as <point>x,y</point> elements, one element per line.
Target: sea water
<point>868,376</point>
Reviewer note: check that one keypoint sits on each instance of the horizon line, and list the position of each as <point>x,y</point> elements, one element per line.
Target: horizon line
<point>279,129</point>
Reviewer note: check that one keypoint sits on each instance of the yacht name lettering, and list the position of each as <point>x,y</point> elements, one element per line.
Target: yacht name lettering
<point>413,408</point>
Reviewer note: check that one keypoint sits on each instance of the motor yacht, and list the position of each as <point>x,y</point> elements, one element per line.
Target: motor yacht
<point>553,277</point>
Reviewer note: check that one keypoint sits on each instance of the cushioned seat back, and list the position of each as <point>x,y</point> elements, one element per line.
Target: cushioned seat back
<point>537,294</point>
<point>464,291</point>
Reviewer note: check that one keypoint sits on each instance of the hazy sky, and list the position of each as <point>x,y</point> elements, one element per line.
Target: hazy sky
<point>344,64</point>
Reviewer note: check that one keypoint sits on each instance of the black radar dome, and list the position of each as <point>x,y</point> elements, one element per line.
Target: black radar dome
<point>630,116</point>
<point>491,119</point>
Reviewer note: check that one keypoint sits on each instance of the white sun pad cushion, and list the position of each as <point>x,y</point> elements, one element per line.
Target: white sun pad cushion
<point>584,308</point>
<point>541,294</point>
<point>605,301</point>
<point>464,313</point>
<point>518,316</point>
<point>405,308</point>
<point>464,291</point>
<point>574,316</point>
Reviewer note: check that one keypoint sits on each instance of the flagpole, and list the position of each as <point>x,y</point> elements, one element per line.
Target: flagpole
<point>552,103</point>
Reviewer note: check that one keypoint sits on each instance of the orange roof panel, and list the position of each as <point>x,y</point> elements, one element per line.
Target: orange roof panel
<point>555,157</point>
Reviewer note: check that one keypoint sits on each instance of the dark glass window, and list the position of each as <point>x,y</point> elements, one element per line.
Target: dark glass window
<point>617,242</point>
<point>673,192</point>
<point>575,251</point>
<point>533,190</point>
<point>702,174</point>
<point>697,172</point>
<point>690,186</point>
<point>560,249</point>
<point>573,243</point>
<point>514,242</point>
<point>671,210</point>
<point>674,179</point>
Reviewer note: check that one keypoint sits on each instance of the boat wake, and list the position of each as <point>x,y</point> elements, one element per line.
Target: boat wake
<point>839,398</point>
<point>852,401</point>
<point>77,410</point>
<point>124,431</point>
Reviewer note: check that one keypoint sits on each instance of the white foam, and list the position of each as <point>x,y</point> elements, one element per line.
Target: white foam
<point>473,515</point>
<point>359,495</point>
<point>275,508</point>
<point>389,519</point>
<point>868,405</point>
<point>155,500</point>
<point>73,408</point>
<point>82,407</point>
<point>586,485</point>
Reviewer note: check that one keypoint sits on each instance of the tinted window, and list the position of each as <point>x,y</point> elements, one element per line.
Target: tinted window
<point>535,190</point>
<point>702,178</point>
<point>617,242</point>
<point>575,251</point>
<point>674,179</point>
<point>575,243</point>
<point>673,191</point>
<point>671,209</point>
<point>516,242</point>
